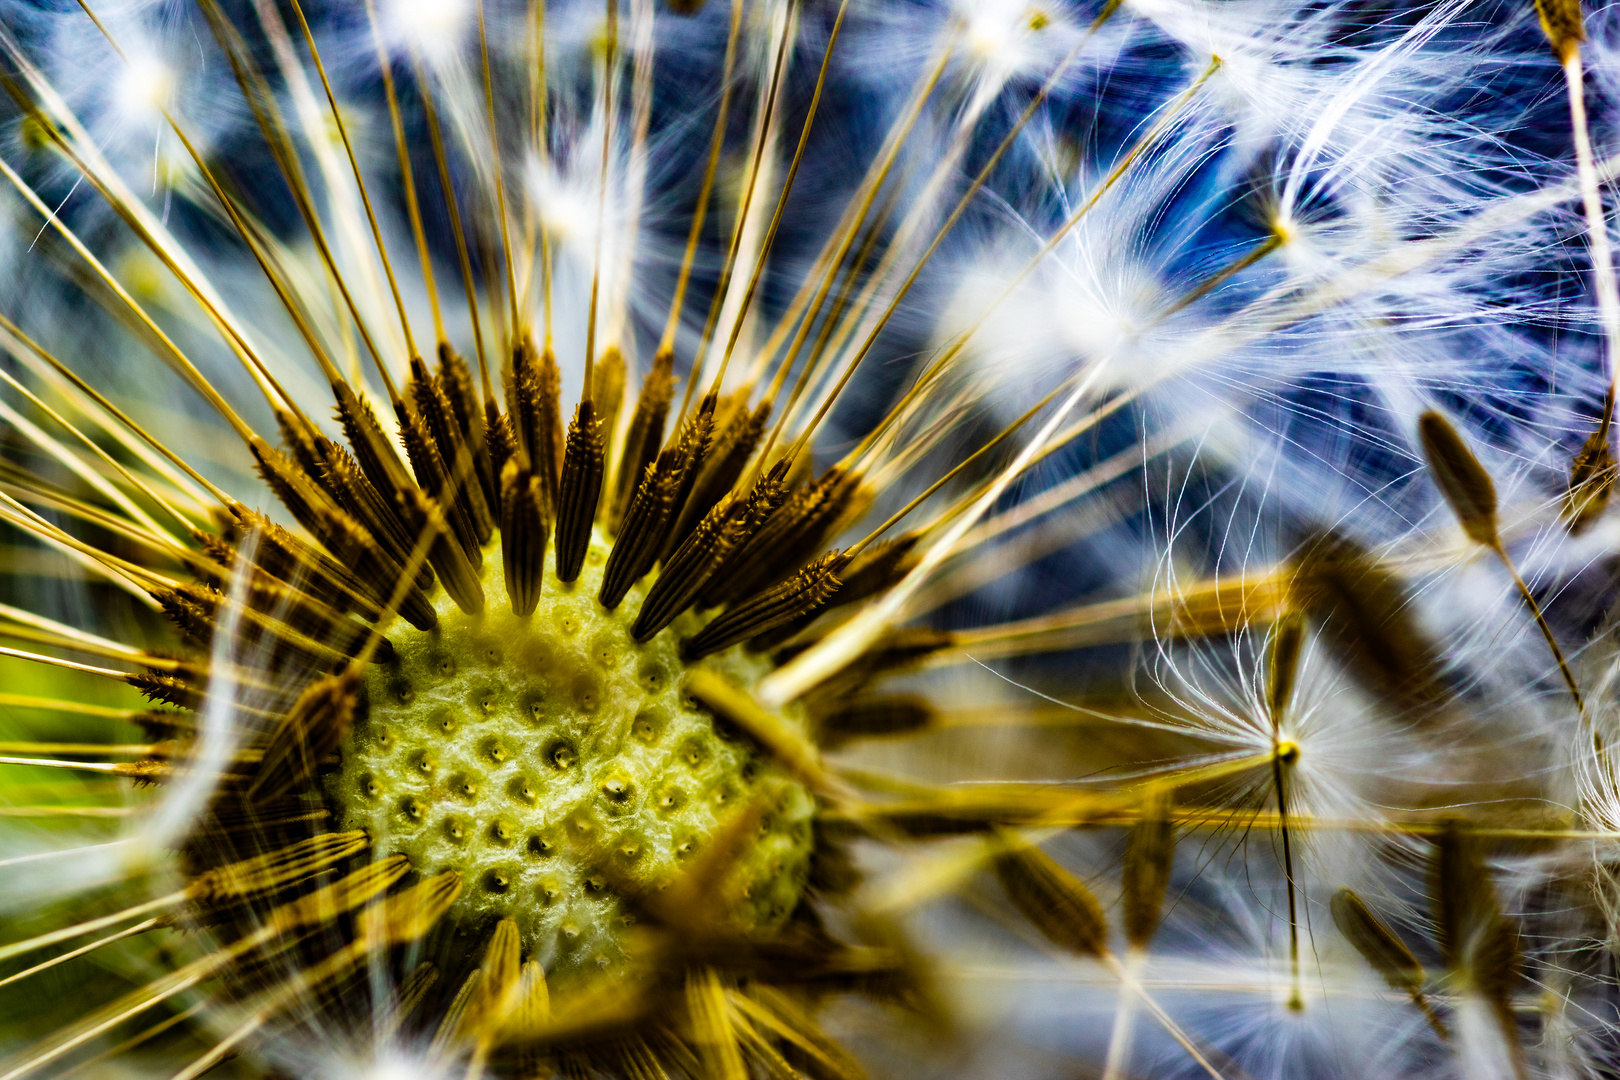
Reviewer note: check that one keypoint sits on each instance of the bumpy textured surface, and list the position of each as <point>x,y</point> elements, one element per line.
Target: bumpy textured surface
<point>547,758</point>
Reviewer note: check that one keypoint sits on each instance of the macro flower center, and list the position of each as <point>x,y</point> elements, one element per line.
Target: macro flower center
<point>556,764</point>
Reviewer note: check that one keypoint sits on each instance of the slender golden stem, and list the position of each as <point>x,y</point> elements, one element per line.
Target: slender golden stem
<point>359,178</point>
<point>717,137</point>
<point>500,178</point>
<point>407,176</point>
<point>430,113</point>
<point>610,67</point>
<point>761,143</point>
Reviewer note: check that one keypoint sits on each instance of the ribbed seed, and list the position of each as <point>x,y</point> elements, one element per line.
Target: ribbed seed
<point>169,689</point>
<point>687,569</point>
<point>336,530</point>
<point>364,503</point>
<point>496,993</point>
<point>433,476</point>
<point>195,608</point>
<point>788,539</point>
<point>1287,648</point>
<point>879,567</point>
<point>1497,969</point>
<point>296,491</point>
<point>646,525</point>
<point>873,717</point>
<point>315,604</point>
<point>369,445</point>
<point>805,590</point>
<point>1376,942</point>
<point>300,442</point>
<point>309,616</point>
<point>1361,608</point>
<point>697,439</point>
<point>1476,940</point>
<point>210,894</point>
<point>732,449</point>
<point>871,572</point>
<point>534,403</point>
<point>502,445</point>
<point>645,435</point>
<point>456,383</point>
<point>1150,850</point>
<point>1564,25</point>
<point>727,527</point>
<point>580,489</point>
<point>284,556</point>
<point>458,575</point>
<point>607,391</point>
<point>897,650</point>
<point>442,423</point>
<point>383,521</point>
<point>523,536</point>
<point>641,531</point>
<point>1464,899</point>
<point>312,728</point>
<point>354,547</point>
<point>407,916</point>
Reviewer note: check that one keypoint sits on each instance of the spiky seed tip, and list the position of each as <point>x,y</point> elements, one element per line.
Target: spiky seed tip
<point>607,389</point>
<point>544,433</point>
<point>803,592</point>
<point>311,730</point>
<point>406,916</point>
<point>644,435</point>
<point>1460,478</point>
